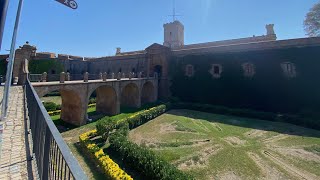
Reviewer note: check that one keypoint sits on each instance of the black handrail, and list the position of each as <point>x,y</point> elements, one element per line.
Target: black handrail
<point>53,157</point>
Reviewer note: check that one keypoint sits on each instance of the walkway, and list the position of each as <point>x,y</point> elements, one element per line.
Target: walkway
<point>13,158</point>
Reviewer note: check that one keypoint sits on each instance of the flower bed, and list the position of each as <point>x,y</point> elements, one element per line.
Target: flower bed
<point>104,162</point>
<point>58,112</point>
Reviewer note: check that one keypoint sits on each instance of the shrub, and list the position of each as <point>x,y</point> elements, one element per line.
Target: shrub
<point>105,126</point>
<point>50,106</point>
<point>144,160</point>
<point>293,119</point>
<point>104,162</point>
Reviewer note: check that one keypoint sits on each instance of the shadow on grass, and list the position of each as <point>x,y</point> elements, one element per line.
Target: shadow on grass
<point>280,127</point>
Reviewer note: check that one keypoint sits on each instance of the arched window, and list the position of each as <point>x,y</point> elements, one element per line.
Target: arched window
<point>248,69</point>
<point>289,69</point>
<point>189,70</point>
<point>216,70</point>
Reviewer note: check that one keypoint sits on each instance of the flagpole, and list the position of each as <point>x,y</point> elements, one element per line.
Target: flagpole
<point>6,93</point>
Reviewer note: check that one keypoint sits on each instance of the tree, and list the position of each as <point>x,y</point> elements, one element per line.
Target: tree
<point>312,21</point>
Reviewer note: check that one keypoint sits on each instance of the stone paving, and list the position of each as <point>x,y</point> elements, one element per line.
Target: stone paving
<point>13,154</point>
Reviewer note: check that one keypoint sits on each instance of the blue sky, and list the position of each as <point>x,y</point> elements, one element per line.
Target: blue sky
<point>97,27</point>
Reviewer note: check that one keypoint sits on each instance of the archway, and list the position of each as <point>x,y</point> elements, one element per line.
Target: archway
<point>148,93</point>
<point>130,96</point>
<point>106,100</point>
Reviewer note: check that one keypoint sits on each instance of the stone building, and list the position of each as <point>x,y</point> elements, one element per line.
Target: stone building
<point>247,55</point>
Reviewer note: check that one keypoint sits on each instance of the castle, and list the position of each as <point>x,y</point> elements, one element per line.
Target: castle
<point>257,72</point>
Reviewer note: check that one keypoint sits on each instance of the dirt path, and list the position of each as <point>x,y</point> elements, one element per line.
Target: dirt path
<point>300,153</point>
<point>268,172</point>
<point>300,174</point>
<point>275,138</point>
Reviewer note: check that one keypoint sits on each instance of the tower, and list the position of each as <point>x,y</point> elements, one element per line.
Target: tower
<point>173,34</point>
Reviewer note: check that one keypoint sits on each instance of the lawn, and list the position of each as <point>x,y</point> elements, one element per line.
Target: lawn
<point>211,146</point>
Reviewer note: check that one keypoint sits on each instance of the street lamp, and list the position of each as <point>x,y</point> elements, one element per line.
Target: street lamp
<point>5,99</point>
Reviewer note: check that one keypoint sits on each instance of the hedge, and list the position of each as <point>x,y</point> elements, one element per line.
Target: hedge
<point>58,112</point>
<point>143,160</point>
<point>104,162</point>
<point>288,118</point>
<point>105,126</point>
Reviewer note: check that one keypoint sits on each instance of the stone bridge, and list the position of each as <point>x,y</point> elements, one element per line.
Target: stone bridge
<point>111,94</point>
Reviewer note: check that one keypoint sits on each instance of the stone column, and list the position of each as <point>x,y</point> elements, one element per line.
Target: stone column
<point>44,77</point>
<point>119,76</point>
<point>62,77</point>
<point>86,77</point>
<point>104,76</point>
<point>68,76</point>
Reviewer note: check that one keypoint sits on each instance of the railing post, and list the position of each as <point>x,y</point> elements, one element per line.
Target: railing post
<point>100,76</point>
<point>130,75</point>
<point>68,76</point>
<point>86,77</point>
<point>104,76</point>
<point>62,77</point>
<point>44,77</point>
<point>119,76</point>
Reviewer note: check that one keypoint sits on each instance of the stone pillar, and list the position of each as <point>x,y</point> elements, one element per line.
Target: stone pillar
<point>112,76</point>
<point>68,76</point>
<point>119,76</point>
<point>133,75</point>
<point>62,77</point>
<point>104,76</point>
<point>140,75</point>
<point>44,77</point>
<point>100,76</point>
<point>86,77</point>
<point>130,75</point>
<point>123,75</point>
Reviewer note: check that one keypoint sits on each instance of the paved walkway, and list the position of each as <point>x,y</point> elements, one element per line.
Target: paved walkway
<point>13,158</point>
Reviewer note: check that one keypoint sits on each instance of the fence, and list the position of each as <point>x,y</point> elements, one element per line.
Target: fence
<point>53,157</point>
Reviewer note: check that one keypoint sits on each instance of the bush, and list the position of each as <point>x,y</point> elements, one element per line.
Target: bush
<point>50,106</point>
<point>144,160</point>
<point>293,119</point>
<point>104,162</point>
<point>105,126</point>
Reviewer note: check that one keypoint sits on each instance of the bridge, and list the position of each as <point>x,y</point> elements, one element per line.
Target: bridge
<point>110,95</point>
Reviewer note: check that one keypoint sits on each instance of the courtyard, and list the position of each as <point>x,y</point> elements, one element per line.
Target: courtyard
<point>211,146</point>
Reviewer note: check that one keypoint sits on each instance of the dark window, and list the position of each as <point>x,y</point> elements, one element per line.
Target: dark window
<point>216,70</point>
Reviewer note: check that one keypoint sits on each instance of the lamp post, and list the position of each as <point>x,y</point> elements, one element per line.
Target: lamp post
<point>4,108</point>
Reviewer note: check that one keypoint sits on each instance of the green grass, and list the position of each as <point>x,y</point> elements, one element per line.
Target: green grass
<point>174,136</point>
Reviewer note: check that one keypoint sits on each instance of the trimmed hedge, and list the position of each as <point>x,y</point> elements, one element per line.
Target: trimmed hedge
<point>104,162</point>
<point>288,118</point>
<point>144,160</point>
<point>105,126</point>
<point>58,112</point>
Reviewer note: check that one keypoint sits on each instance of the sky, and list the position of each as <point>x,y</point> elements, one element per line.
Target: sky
<point>97,27</point>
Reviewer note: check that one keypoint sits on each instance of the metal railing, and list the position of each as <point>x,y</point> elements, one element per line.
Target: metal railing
<point>53,157</point>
